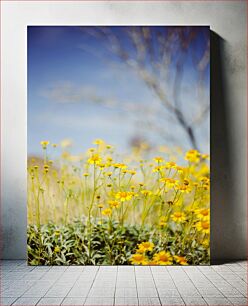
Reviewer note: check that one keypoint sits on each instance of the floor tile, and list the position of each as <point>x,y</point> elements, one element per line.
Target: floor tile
<point>107,292</point>
<point>147,292</point>
<point>50,301</point>
<point>89,285</point>
<point>217,301</point>
<point>73,301</point>
<point>126,292</point>
<point>238,301</point>
<point>149,301</point>
<point>99,301</point>
<point>194,301</point>
<point>121,301</point>
<point>164,292</point>
<point>142,282</point>
<point>171,301</point>
<point>7,300</point>
<point>125,283</point>
<point>58,291</point>
<point>79,291</point>
<point>26,301</point>
<point>210,292</point>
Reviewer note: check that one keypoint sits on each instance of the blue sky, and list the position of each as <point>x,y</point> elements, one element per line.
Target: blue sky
<point>78,90</point>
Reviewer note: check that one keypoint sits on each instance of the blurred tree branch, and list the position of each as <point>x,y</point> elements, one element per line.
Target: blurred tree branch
<point>151,53</point>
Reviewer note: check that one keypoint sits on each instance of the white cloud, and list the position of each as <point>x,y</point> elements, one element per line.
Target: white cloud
<point>66,92</point>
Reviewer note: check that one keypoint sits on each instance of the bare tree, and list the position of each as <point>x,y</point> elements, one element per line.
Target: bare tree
<point>152,52</point>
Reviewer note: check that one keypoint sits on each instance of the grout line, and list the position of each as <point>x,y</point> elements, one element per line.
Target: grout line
<point>13,301</point>
<point>38,301</point>
<point>155,286</point>
<point>87,295</point>
<point>72,287</point>
<point>184,270</point>
<point>211,281</point>
<point>173,276</point>
<point>136,284</point>
<point>175,284</point>
<point>237,273</point>
<point>116,283</point>
<point>230,283</point>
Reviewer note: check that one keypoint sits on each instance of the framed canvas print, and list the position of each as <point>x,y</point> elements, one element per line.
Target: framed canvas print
<point>118,145</point>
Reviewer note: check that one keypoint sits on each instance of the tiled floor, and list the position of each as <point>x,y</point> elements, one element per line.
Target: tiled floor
<point>213,285</point>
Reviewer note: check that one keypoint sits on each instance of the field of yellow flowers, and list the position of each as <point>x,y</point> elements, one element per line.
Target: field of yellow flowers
<point>101,208</point>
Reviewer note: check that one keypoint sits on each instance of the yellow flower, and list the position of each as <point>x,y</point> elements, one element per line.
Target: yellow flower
<point>107,212</point>
<point>109,173</point>
<point>158,159</point>
<point>193,156</point>
<point>205,182</point>
<point>183,188</point>
<point>85,174</point>
<point>202,213</point>
<point>94,159</point>
<point>157,169</point>
<point>138,259</point>
<point>113,204</point>
<point>124,195</point>
<point>181,260</point>
<point>205,242</point>
<point>162,221</point>
<point>186,182</point>
<point>145,246</point>
<point>44,144</point>
<point>180,169</point>
<point>54,145</point>
<point>146,192</point>
<point>57,233</point>
<point>169,182</point>
<point>57,249</point>
<point>203,226</point>
<point>170,165</point>
<point>66,143</point>
<point>100,206</point>
<point>120,165</point>
<point>65,155</point>
<point>163,258</point>
<point>98,141</point>
<point>132,172</point>
<point>109,147</point>
<point>205,156</point>
<point>101,166</point>
<point>178,216</point>
<point>206,186</point>
<point>151,263</point>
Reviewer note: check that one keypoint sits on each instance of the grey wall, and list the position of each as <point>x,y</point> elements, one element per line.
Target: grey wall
<point>227,20</point>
